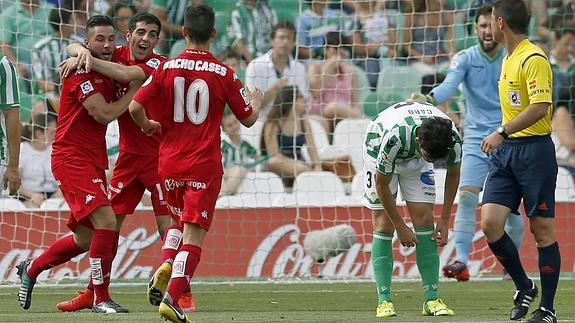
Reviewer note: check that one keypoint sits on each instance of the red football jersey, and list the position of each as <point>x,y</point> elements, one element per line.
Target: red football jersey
<point>132,139</point>
<point>194,89</point>
<point>78,135</point>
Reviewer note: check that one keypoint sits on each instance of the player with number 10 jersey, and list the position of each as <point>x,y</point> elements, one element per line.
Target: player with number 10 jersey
<point>194,88</point>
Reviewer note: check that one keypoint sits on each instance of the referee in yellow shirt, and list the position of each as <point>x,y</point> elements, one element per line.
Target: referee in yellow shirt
<point>523,163</point>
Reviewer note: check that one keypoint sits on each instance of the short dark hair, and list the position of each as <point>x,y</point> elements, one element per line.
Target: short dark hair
<point>59,16</point>
<point>484,10</point>
<point>146,17</point>
<point>435,137</point>
<point>515,14</point>
<point>99,20</point>
<point>199,22</point>
<point>287,25</point>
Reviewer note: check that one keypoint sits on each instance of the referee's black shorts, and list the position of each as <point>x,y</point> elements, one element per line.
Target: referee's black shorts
<point>523,168</point>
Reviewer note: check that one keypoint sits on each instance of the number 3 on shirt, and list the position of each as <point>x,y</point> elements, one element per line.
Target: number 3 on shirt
<point>196,114</point>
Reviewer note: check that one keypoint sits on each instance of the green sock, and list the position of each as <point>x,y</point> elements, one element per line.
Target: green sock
<point>427,262</point>
<point>382,260</point>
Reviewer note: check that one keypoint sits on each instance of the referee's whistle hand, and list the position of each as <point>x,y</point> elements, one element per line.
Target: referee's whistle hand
<point>491,142</point>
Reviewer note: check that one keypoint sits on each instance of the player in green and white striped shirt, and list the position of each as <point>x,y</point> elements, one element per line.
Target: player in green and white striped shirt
<point>400,145</point>
<point>10,126</point>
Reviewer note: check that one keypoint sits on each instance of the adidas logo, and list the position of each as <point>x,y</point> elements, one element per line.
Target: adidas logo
<point>543,207</point>
<point>547,270</point>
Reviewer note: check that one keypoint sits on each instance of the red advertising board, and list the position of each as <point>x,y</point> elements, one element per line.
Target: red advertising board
<point>253,243</point>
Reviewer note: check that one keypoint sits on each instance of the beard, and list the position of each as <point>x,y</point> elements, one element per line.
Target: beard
<point>487,47</point>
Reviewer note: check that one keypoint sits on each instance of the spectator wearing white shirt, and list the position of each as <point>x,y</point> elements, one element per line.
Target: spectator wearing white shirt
<point>38,183</point>
<point>277,69</point>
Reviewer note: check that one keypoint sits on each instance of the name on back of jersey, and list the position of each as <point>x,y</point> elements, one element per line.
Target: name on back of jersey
<point>193,65</point>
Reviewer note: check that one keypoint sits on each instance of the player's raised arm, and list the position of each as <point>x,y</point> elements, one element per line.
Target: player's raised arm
<point>255,99</point>
<point>105,112</point>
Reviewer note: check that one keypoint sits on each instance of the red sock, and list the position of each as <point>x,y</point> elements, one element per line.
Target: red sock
<point>115,251</point>
<point>58,253</point>
<point>172,242</point>
<point>183,270</point>
<point>101,257</point>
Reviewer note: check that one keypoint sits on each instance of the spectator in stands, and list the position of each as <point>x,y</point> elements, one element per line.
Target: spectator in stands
<point>171,14</point>
<point>374,37</point>
<point>333,87</point>
<point>314,23</point>
<point>428,36</point>
<point>252,23</point>
<point>563,125</point>
<point>38,183</point>
<point>561,58</point>
<point>22,24</point>
<point>285,133</point>
<point>238,156</point>
<point>276,69</point>
<point>234,60</point>
<point>79,10</point>
<point>48,52</point>
<point>121,12</point>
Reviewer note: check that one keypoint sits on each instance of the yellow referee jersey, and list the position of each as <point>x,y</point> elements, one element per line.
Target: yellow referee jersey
<point>526,78</point>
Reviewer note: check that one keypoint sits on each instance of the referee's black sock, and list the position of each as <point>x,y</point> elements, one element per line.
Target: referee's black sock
<point>549,269</point>
<point>506,252</point>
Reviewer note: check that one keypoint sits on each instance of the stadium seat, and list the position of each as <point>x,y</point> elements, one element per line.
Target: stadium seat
<point>319,134</point>
<point>349,135</point>
<point>11,204</point>
<point>372,105</point>
<point>396,82</point>
<point>317,189</point>
<point>259,189</point>
<point>55,204</point>
<point>565,190</point>
<point>253,134</point>
<point>362,82</point>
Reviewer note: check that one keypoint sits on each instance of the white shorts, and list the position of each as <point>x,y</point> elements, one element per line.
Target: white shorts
<point>415,177</point>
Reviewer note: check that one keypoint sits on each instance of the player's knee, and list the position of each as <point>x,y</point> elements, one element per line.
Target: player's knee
<point>83,239</point>
<point>491,228</point>
<point>543,231</point>
<point>104,218</point>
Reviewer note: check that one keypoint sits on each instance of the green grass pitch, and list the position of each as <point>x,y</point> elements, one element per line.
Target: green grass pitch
<point>487,301</point>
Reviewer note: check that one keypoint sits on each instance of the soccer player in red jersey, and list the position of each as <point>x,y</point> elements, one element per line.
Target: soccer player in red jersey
<point>194,88</point>
<point>87,104</point>
<point>137,166</point>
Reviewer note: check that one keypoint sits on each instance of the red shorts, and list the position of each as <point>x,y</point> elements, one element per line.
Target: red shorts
<point>193,201</point>
<point>132,175</point>
<point>84,189</point>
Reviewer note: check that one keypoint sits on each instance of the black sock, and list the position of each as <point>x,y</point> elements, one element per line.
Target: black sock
<point>549,269</point>
<point>505,251</point>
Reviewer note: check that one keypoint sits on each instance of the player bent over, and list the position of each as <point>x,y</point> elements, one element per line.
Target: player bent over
<point>79,162</point>
<point>136,169</point>
<point>400,145</point>
<point>194,88</point>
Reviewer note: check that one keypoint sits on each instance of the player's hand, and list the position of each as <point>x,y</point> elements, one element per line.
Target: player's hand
<point>491,142</point>
<point>67,66</point>
<point>441,233</point>
<point>84,59</point>
<point>406,236</point>
<point>11,179</point>
<point>151,127</point>
<point>256,96</point>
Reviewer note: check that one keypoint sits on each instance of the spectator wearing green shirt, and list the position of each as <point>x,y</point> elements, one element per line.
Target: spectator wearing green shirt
<point>252,23</point>
<point>238,156</point>
<point>22,24</point>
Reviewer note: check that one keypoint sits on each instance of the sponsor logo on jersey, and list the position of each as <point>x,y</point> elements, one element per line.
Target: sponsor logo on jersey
<point>427,177</point>
<point>153,63</point>
<point>244,96</point>
<point>97,180</point>
<point>86,87</point>
<point>204,214</point>
<point>532,84</point>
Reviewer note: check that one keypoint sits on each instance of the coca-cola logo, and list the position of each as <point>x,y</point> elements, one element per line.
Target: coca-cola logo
<point>130,247</point>
<point>292,261</point>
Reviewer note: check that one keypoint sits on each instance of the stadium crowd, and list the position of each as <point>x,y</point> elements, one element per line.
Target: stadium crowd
<point>342,56</point>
